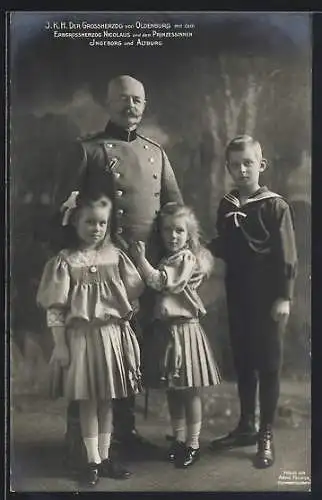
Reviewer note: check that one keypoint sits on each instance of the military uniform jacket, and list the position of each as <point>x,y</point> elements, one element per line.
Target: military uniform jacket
<point>257,242</point>
<point>134,172</point>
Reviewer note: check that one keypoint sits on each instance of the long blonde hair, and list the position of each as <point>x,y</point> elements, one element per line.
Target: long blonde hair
<point>204,258</point>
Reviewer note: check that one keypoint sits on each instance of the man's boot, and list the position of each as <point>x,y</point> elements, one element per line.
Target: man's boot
<point>75,449</point>
<point>125,433</point>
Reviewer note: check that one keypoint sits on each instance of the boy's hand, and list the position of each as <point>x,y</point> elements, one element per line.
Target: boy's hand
<point>61,354</point>
<point>138,250</point>
<point>281,309</point>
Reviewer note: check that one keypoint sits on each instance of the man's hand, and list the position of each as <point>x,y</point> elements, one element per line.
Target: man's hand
<point>281,309</point>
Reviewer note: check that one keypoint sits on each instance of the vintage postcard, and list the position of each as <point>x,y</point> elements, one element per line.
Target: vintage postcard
<point>160,217</point>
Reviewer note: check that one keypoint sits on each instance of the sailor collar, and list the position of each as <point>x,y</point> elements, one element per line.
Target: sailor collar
<point>261,194</point>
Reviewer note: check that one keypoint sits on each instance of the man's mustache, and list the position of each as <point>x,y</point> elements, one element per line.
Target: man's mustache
<point>131,113</point>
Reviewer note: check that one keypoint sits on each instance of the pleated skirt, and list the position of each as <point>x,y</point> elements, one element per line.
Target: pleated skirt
<point>104,364</point>
<point>198,367</point>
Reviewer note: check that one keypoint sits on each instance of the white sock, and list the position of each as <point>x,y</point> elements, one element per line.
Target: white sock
<point>179,429</point>
<point>193,433</point>
<point>104,441</point>
<point>91,445</point>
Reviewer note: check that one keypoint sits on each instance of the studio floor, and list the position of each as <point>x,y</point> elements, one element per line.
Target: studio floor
<point>38,426</point>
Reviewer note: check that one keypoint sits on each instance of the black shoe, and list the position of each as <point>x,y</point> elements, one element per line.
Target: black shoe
<point>134,442</point>
<point>176,451</point>
<point>237,438</point>
<point>265,456</point>
<point>90,476</point>
<point>113,469</point>
<point>191,456</point>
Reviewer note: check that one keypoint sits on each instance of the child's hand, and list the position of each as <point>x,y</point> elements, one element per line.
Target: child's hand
<point>61,354</point>
<point>281,309</point>
<point>138,250</point>
<point>177,361</point>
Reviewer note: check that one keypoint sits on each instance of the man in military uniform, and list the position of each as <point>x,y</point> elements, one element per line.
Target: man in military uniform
<point>136,173</point>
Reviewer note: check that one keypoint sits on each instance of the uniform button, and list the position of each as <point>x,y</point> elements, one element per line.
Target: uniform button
<point>151,160</point>
<point>109,145</point>
<point>155,176</point>
<point>156,195</point>
<point>119,193</point>
<point>93,269</point>
<point>120,211</point>
<point>117,175</point>
<point>119,230</point>
<point>146,146</point>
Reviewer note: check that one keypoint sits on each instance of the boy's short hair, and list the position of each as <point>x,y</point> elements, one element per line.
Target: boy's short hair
<point>240,142</point>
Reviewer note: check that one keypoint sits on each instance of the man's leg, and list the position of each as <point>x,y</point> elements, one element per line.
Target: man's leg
<point>124,418</point>
<point>75,449</point>
<point>124,409</point>
<point>125,432</point>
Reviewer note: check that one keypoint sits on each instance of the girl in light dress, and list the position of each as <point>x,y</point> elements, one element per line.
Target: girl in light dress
<point>178,355</point>
<point>89,291</point>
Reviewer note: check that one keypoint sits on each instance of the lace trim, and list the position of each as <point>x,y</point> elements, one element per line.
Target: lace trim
<point>55,317</point>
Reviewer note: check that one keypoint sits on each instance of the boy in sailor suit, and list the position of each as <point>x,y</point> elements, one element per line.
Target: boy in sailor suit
<point>257,242</point>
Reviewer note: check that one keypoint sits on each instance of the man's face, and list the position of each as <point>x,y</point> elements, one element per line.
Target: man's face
<point>126,103</point>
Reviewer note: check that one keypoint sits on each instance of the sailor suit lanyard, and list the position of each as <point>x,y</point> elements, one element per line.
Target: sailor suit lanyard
<point>237,213</point>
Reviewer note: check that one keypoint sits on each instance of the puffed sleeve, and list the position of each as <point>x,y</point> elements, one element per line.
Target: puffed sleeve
<point>54,285</point>
<point>130,276</point>
<point>170,191</point>
<point>178,271</point>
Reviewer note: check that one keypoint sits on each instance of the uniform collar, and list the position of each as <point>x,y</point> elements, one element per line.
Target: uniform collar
<point>116,132</point>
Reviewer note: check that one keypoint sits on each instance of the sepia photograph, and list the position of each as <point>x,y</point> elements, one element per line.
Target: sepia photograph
<point>160,251</point>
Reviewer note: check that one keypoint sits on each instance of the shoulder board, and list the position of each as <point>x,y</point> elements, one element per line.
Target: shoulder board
<point>89,137</point>
<point>149,140</point>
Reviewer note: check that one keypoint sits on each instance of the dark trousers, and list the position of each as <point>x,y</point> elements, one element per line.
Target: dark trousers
<point>257,346</point>
<point>248,380</point>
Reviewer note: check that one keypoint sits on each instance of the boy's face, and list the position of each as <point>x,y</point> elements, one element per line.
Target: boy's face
<point>245,166</point>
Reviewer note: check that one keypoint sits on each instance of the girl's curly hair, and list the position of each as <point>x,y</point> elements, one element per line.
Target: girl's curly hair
<point>204,257</point>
